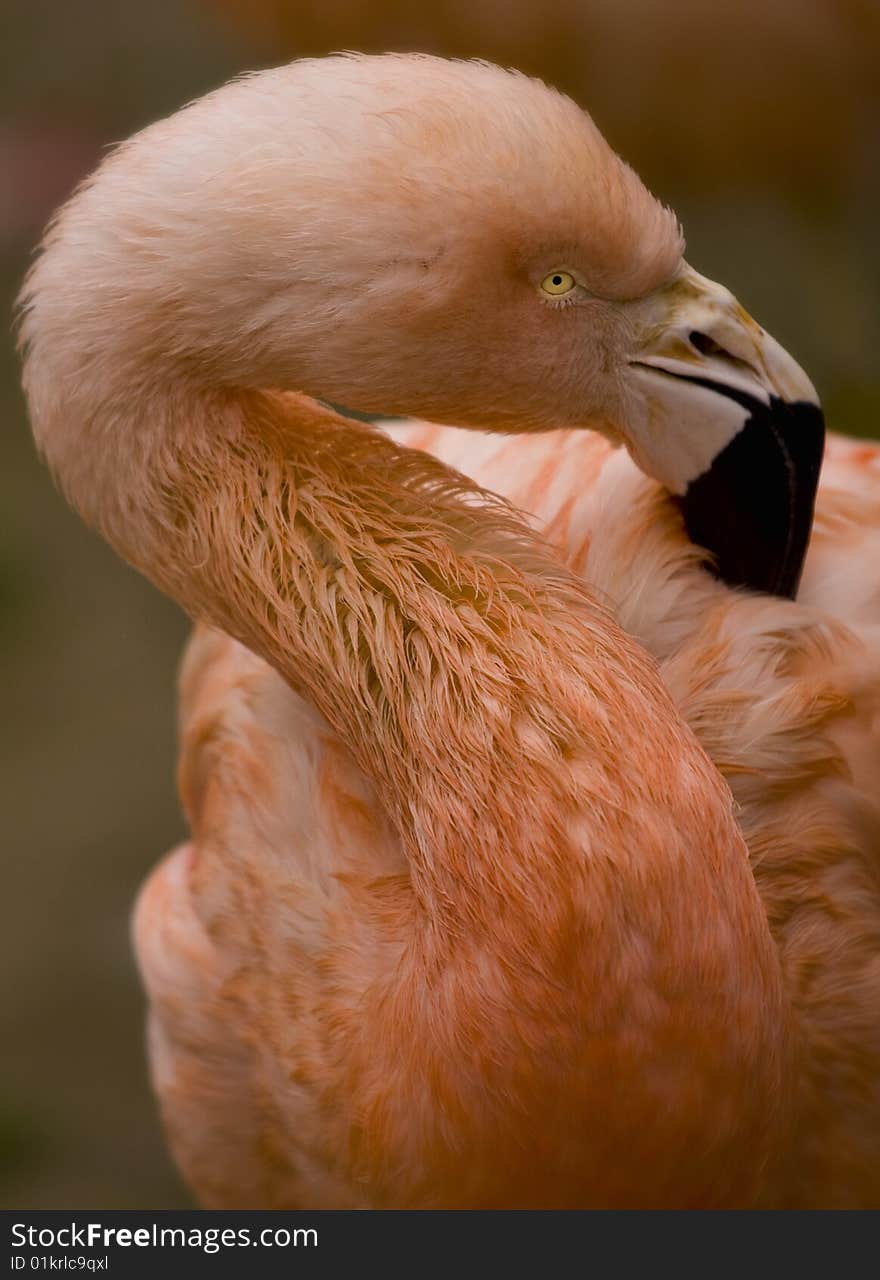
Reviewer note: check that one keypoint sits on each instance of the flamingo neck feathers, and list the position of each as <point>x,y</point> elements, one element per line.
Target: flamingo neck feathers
<point>580,889</point>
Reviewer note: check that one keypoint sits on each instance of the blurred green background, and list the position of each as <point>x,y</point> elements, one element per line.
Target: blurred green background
<point>756,119</point>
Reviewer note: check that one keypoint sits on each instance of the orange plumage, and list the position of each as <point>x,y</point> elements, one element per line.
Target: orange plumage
<point>467,918</point>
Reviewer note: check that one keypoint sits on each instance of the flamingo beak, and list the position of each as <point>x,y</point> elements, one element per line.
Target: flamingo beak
<point>732,426</point>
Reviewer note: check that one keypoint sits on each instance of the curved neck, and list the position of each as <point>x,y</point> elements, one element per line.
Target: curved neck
<point>493,704</point>
<point>581,885</point>
<point>434,633</point>
<point>567,840</point>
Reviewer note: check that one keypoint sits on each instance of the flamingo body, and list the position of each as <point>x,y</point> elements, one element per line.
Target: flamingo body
<point>468,917</point>
<point>784,697</point>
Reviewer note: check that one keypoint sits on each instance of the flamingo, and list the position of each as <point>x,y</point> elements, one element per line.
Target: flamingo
<point>467,918</point>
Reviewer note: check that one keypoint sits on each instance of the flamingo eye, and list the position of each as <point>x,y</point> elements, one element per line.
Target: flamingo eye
<point>558,283</point>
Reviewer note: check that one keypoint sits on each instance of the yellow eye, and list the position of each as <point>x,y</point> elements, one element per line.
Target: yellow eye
<point>558,283</point>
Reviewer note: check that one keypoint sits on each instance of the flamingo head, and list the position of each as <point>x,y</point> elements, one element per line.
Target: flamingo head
<point>408,235</point>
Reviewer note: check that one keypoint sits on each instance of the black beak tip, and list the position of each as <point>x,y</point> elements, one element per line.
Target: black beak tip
<point>753,508</point>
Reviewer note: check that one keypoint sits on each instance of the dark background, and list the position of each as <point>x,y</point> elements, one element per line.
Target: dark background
<point>756,119</point>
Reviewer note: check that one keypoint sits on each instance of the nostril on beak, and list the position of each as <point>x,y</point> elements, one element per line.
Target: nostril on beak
<point>707,346</point>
